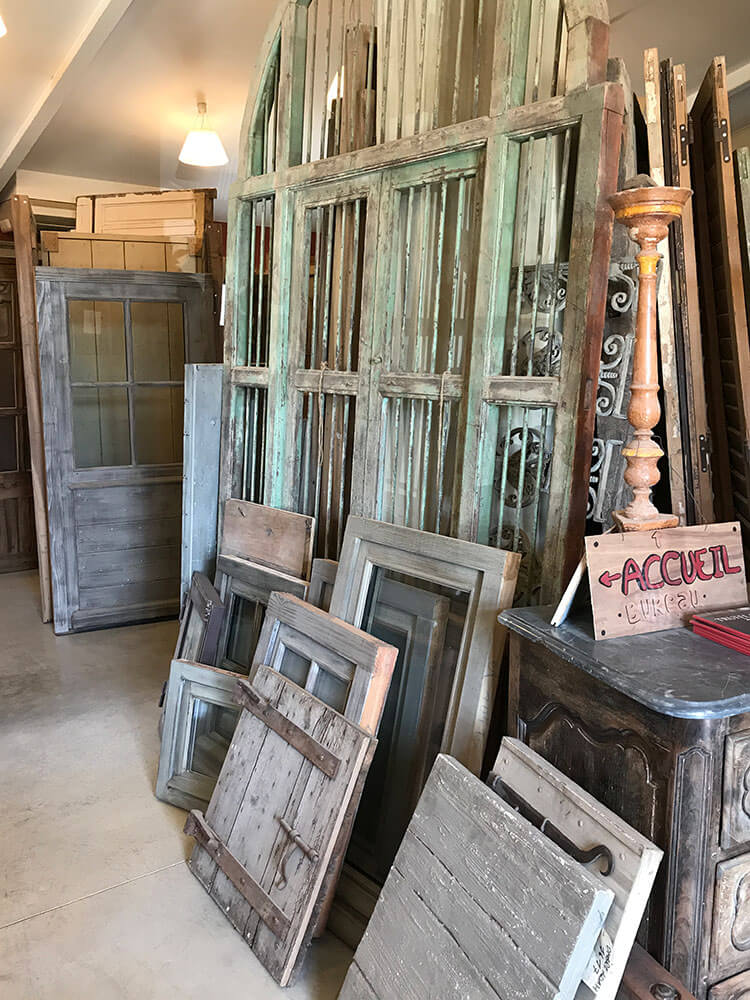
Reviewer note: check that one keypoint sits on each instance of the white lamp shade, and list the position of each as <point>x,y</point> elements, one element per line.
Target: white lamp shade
<point>203,148</point>
<point>3,29</point>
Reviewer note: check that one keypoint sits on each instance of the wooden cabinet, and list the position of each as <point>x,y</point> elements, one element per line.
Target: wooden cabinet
<point>658,728</point>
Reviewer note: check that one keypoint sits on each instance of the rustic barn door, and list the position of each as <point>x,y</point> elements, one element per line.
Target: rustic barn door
<point>113,347</point>
<point>17,537</point>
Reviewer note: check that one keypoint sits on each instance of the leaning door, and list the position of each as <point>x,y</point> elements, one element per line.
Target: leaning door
<point>112,350</point>
<point>17,538</point>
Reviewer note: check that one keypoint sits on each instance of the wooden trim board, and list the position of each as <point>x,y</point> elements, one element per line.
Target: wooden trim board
<point>24,235</point>
<point>267,536</point>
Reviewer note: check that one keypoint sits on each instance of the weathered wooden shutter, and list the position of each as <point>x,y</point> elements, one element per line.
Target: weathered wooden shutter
<point>408,170</point>
<point>723,319</point>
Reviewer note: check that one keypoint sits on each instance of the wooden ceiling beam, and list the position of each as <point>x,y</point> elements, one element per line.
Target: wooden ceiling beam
<point>102,21</point>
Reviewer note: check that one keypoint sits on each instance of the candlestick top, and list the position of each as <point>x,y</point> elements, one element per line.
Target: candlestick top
<point>647,211</point>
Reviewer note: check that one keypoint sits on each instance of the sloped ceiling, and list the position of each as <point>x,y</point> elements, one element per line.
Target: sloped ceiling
<point>127,115</point>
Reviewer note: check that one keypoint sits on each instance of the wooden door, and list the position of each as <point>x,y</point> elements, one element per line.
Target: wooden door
<point>113,346</point>
<point>722,300</point>
<point>17,536</point>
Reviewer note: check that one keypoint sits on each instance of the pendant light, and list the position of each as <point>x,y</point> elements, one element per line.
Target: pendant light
<point>3,29</point>
<point>202,146</point>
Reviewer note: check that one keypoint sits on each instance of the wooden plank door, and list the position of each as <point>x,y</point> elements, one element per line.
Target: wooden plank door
<point>722,298</point>
<point>113,347</point>
<point>17,536</point>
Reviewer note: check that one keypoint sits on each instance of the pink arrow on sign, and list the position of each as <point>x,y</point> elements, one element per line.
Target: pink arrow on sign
<point>607,578</point>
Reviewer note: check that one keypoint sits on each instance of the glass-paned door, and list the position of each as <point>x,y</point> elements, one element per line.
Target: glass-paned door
<point>113,352</point>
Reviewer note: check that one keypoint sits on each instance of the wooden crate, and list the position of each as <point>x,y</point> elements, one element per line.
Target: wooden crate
<point>148,213</point>
<point>121,252</point>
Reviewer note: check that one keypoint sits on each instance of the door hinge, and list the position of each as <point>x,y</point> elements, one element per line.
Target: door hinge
<point>721,135</point>
<point>686,139</point>
<point>704,443</point>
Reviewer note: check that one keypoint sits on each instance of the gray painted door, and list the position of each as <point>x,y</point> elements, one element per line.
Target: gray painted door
<point>113,346</point>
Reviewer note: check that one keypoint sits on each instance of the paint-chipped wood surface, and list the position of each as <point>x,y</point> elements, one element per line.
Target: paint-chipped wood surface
<point>263,779</point>
<point>201,622</point>
<point>648,581</point>
<point>245,589</point>
<point>478,904</point>
<point>279,539</point>
<point>722,299</point>
<point>411,272</point>
<point>200,714</point>
<point>200,469</point>
<point>588,824</point>
<point>114,485</point>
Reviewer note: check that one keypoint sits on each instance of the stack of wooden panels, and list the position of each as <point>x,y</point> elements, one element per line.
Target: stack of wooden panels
<point>181,214</point>
<point>121,252</point>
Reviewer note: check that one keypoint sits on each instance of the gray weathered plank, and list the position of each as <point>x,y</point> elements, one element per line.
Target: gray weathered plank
<point>200,463</point>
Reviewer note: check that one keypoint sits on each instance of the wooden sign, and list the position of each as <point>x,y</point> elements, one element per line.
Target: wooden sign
<point>646,581</point>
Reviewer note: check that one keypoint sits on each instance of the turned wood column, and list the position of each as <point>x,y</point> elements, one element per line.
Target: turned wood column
<point>647,212</point>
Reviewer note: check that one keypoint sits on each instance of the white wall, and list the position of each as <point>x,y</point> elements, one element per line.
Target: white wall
<point>64,187</point>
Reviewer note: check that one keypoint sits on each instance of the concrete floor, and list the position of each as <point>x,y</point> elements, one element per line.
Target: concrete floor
<point>96,900</point>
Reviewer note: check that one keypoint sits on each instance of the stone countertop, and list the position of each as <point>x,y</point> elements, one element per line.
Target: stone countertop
<point>675,673</point>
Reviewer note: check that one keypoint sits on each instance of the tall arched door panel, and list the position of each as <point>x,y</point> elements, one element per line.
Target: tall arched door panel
<point>418,271</point>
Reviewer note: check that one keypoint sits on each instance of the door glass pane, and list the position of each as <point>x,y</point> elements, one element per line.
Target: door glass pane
<point>97,341</point>
<point>295,667</point>
<point>8,364</point>
<point>158,342</point>
<point>101,432</point>
<point>330,689</point>
<point>158,413</point>
<point>8,444</point>
<point>245,621</point>
<point>211,729</point>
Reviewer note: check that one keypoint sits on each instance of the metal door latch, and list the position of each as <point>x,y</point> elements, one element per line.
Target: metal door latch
<point>295,842</point>
<point>525,809</point>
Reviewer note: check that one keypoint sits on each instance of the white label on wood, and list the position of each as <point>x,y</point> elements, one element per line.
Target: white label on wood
<point>647,581</point>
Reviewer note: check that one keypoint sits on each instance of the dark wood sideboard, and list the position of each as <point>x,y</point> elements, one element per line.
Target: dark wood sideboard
<point>658,728</point>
